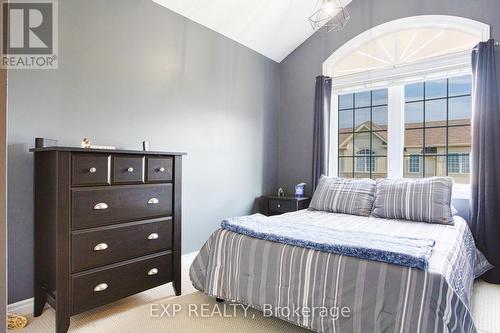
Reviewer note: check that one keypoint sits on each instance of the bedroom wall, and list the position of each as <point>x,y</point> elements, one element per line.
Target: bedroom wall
<point>299,69</point>
<point>131,70</point>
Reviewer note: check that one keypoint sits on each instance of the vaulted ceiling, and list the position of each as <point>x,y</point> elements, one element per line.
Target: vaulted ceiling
<point>273,28</point>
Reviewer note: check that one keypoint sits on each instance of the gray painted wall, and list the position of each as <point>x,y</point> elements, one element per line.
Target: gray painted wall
<point>130,70</point>
<point>299,69</point>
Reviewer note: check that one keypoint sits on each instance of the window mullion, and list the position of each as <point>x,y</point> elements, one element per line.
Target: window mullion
<point>395,141</point>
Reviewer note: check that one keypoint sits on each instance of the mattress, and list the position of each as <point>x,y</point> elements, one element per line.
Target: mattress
<point>327,292</point>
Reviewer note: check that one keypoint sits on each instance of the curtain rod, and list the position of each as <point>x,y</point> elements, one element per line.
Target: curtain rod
<point>497,44</point>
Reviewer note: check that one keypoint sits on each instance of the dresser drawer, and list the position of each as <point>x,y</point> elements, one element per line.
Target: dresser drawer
<point>90,169</point>
<point>160,169</point>
<point>279,206</point>
<point>111,205</point>
<point>128,169</point>
<point>101,286</point>
<point>107,245</point>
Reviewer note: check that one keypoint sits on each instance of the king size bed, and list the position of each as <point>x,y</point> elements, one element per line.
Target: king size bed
<point>338,272</point>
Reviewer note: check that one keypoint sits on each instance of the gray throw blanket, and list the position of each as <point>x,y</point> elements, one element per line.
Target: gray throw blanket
<point>404,251</point>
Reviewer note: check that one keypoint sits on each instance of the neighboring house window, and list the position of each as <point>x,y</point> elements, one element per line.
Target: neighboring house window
<point>414,164</point>
<point>454,163</point>
<point>363,134</point>
<point>437,127</point>
<point>364,164</point>
<point>465,163</point>
<point>458,163</point>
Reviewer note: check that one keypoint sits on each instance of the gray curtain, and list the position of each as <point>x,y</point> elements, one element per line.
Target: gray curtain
<point>485,161</point>
<point>321,133</point>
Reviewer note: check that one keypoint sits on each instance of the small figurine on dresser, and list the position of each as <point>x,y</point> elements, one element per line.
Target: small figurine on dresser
<point>86,144</point>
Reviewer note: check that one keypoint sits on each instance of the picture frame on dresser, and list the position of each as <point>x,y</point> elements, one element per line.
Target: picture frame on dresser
<point>107,226</point>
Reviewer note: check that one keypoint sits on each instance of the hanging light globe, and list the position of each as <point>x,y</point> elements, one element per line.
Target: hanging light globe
<point>332,15</point>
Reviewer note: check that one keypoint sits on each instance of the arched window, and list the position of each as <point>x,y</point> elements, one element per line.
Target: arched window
<point>414,47</point>
<point>421,65</point>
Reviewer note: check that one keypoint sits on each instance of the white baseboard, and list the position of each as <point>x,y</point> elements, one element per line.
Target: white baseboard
<point>188,259</point>
<point>25,307</point>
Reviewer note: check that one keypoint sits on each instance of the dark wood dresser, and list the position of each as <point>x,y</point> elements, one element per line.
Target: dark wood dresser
<point>107,225</point>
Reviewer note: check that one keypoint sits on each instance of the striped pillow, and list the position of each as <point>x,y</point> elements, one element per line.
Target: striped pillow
<point>421,200</point>
<point>340,195</point>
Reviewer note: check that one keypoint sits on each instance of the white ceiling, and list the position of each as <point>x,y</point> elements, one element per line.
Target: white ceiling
<point>273,28</point>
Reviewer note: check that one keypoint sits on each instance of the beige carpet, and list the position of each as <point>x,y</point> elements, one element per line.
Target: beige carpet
<point>486,307</point>
<point>133,314</point>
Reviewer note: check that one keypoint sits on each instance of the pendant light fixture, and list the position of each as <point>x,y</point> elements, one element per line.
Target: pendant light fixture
<point>332,15</point>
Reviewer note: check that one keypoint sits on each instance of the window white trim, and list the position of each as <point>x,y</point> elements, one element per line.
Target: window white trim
<point>334,135</point>
<point>455,64</point>
<point>452,64</point>
<point>479,29</point>
<point>461,191</point>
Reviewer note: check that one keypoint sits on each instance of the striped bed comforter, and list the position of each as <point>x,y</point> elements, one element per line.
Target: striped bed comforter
<point>311,288</point>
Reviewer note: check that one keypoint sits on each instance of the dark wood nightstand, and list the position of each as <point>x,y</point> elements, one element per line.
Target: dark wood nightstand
<point>274,205</point>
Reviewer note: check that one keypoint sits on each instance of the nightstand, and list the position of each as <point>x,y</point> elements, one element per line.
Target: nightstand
<point>274,205</point>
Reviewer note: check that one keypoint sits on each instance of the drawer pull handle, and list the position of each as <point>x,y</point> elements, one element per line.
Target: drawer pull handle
<point>153,236</point>
<point>153,271</point>
<point>92,170</point>
<point>130,169</point>
<point>101,247</point>
<point>101,206</point>
<point>162,169</point>
<point>101,287</point>
<point>153,201</point>
<point>279,205</point>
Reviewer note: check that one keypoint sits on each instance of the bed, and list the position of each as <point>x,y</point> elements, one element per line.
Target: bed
<point>381,297</point>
